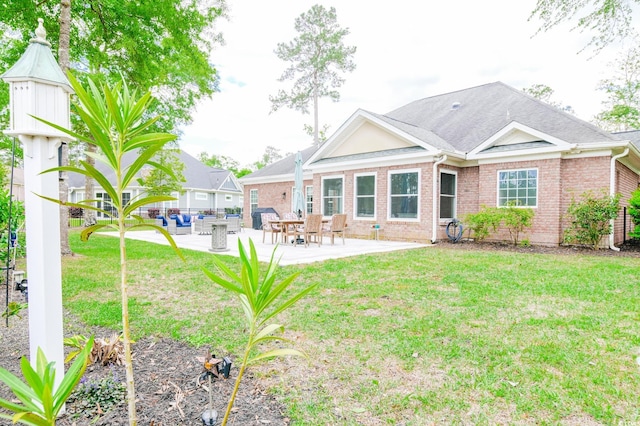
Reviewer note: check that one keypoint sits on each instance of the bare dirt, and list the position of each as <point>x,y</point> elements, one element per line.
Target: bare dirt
<point>166,376</point>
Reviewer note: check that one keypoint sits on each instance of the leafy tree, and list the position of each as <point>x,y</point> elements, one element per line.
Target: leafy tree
<point>544,93</point>
<point>317,55</point>
<point>118,122</point>
<point>623,94</point>
<point>161,47</point>
<point>271,155</point>
<point>611,19</point>
<point>157,181</point>
<point>591,218</point>
<point>219,161</point>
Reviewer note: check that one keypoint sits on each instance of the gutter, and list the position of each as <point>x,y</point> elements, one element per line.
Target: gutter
<point>612,191</point>
<point>434,195</point>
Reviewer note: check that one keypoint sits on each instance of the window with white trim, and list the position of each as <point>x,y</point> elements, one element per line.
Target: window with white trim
<point>365,196</point>
<point>228,197</point>
<point>448,192</point>
<point>518,187</point>
<point>202,196</point>
<point>309,198</point>
<point>404,194</point>
<point>332,195</point>
<point>253,200</point>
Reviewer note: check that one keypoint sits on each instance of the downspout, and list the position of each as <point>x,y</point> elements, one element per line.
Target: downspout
<point>434,226</point>
<point>612,192</point>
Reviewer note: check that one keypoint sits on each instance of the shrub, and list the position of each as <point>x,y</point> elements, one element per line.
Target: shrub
<point>516,219</point>
<point>172,211</point>
<point>153,213</point>
<point>262,298</point>
<point>484,222</point>
<point>93,397</point>
<point>634,212</point>
<point>590,218</point>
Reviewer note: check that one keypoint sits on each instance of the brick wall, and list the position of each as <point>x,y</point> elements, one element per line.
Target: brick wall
<point>558,180</point>
<point>270,195</point>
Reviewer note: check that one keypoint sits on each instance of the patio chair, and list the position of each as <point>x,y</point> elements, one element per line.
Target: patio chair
<point>289,229</point>
<point>337,227</point>
<point>311,231</point>
<point>269,226</point>
<point>233,225</point>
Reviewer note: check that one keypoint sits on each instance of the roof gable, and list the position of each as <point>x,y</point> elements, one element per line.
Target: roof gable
<point>367,133</point>
<point>368,137</point>
<point>516,137</point>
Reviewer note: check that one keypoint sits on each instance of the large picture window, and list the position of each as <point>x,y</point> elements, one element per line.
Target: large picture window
<point>447,195</point>
<point>518,187</point>
<point>404,190</point>
<point>332,195</point>
<point>365,196</point>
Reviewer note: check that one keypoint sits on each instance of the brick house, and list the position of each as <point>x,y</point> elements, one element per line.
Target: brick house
<point>412,170</point>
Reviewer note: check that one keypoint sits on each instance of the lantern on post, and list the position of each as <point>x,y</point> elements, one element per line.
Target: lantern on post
<point>39,88</point>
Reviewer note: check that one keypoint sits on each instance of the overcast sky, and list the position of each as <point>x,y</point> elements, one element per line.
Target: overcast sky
<point>406,50</point>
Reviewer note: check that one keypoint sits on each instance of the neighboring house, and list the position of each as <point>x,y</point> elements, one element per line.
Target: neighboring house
<point>412,170</point>
<point>205,188</point>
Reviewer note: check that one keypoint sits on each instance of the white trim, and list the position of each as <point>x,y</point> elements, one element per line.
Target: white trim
<point>251,192</point>
<point>342,196</point>
<point>518,170</point>
<point>198,195</point>
<point>418,193</point>
<point>455,195</point>
<point>306,193</point>
<point>375,196</point>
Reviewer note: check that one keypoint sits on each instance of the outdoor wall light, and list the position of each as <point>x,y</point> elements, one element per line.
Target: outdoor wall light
<point>284,195</point>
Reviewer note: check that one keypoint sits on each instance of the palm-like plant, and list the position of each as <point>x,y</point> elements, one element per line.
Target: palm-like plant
<point>40,403</point>
<point>116,123</point>
<point>260,300</point>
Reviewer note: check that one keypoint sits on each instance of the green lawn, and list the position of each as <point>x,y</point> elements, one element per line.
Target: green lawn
<point>427,335</point>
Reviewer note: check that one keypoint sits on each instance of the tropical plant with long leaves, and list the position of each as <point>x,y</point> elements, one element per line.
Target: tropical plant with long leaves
<point>260,298</point>
<point>41,404</point>
<point>116,122</point>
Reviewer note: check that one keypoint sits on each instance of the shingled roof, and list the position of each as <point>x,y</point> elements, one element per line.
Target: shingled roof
<point>196,174</point>
<point>285,166</point>
<point>466,118</point>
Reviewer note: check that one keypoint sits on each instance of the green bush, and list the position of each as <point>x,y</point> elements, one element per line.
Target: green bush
<point>634,212</point>
<point>590,218</point>
<point>516,219</point>
<point>484,222</point>
<point>489,219</point>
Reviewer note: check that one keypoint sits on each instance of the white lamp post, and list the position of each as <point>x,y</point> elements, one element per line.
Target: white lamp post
<point>38,87</point>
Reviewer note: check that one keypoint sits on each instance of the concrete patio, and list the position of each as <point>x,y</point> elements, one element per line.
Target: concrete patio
<point>290,254</point>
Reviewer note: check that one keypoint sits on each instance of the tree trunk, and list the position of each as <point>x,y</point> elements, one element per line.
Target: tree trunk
<point>63,61</point>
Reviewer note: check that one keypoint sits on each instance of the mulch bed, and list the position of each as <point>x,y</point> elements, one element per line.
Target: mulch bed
<point>166,371</point>
<point>165,374</point>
